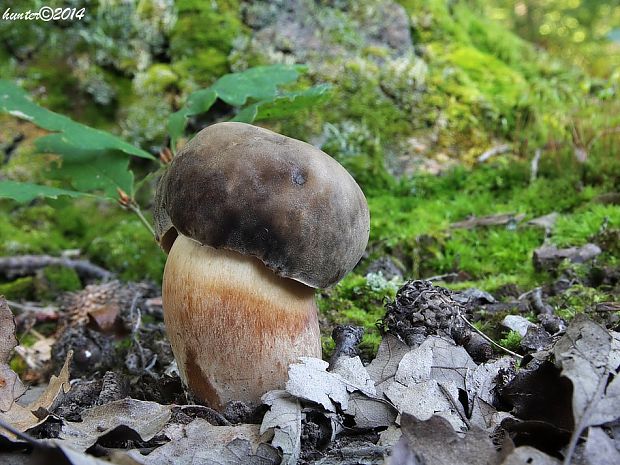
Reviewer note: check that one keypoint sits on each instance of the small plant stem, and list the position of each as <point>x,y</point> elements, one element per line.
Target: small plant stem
<point>133,206</point>
<point>487,338</point>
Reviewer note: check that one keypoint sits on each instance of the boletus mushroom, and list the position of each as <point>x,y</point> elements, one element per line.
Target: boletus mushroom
<point>252,222</point>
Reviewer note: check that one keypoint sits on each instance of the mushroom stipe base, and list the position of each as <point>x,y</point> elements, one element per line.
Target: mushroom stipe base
<point>233,324</point>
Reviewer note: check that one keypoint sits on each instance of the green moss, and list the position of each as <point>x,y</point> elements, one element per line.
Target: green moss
<point>358,300</point>
<point>19,289</point>
<point>202,38</point>
<point>128,248</point>
<point>18,365</point>
<point>580,227</point>
<point>512,341</point>
<point>157,78</point>
<point>55,280</point>
<point>105,234</point>
<point>578,299</point>
<point>42,228</point>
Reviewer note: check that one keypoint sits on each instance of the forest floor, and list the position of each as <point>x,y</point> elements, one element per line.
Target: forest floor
<point>534,271</point>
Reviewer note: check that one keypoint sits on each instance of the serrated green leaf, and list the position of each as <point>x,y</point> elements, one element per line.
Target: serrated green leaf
<point>198,102</point>
<point>259,83</point>
<point>89,170</point>
<point>283,105</point>
<point>26,192</point>
<point>14,100</point>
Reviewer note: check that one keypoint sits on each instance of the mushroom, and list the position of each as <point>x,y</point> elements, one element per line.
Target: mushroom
<point>252,222</point>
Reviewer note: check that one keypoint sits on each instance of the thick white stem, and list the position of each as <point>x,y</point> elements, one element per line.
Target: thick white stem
<point>234,325</point>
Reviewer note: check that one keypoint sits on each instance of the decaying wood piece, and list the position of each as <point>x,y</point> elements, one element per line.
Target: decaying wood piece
<point>13,267</point>
<point>492,220</point>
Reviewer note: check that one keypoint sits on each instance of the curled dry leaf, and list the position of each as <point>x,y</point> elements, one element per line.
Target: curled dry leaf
<point>205,443</point>
<point>434,441</point>
<point>589,355</point>
<point>309,380</point>
<point>283,420</point>
<point>426,399</point>
<point>600,449</point>
<point>24,418</point>
<point>145,419</point>
<point>11,387</point>
<point>353,372</point>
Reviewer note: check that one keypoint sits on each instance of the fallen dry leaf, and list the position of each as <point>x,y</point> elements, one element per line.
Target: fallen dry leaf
<point>600,449</point>
<point>145,419</point>
<point>370,412</point>
<point>205,443</point>
<point>11,387</point>
<point>24,418</point>
<point>385,365</point>
<point>434,441</point>
<point>37,355</point>
<point>589,355</point>
<point>283,420</point>
<point>427,399</point>
<point>353,372</point>
<point>310,380</point>
<point>55,390</point>
<point>526,455</point>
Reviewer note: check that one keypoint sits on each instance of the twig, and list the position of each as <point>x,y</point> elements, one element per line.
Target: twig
<point>534,165</point>
<point>487,338</point>
<point>26,307</point>
<point>136,317</point>
<point>347,338</point>
<point>497,150</point>
<point>134,207</point>
<point>442,277</point>
<point>24,265</point>
<point>491,220</point>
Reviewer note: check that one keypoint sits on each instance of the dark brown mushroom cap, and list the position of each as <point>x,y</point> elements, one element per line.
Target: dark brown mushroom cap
<point>248,189</point>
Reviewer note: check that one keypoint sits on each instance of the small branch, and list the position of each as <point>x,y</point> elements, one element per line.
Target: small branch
<point>487,338</point>
<point>442,277</point>
<point>26,307</point>
<point>534,165</point>
<point>136,209</point>
<point>491,220</point>
<point>347,338</point>
<point>24,265</point>
<point>497,150</point>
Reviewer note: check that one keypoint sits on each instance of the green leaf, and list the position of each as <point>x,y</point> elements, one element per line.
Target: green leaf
<point>283,105</point>
<point>14,100</point>
<point>259,83</point>
<point>89,170</point>
<point>26,192</point>
<point>198,102</point>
